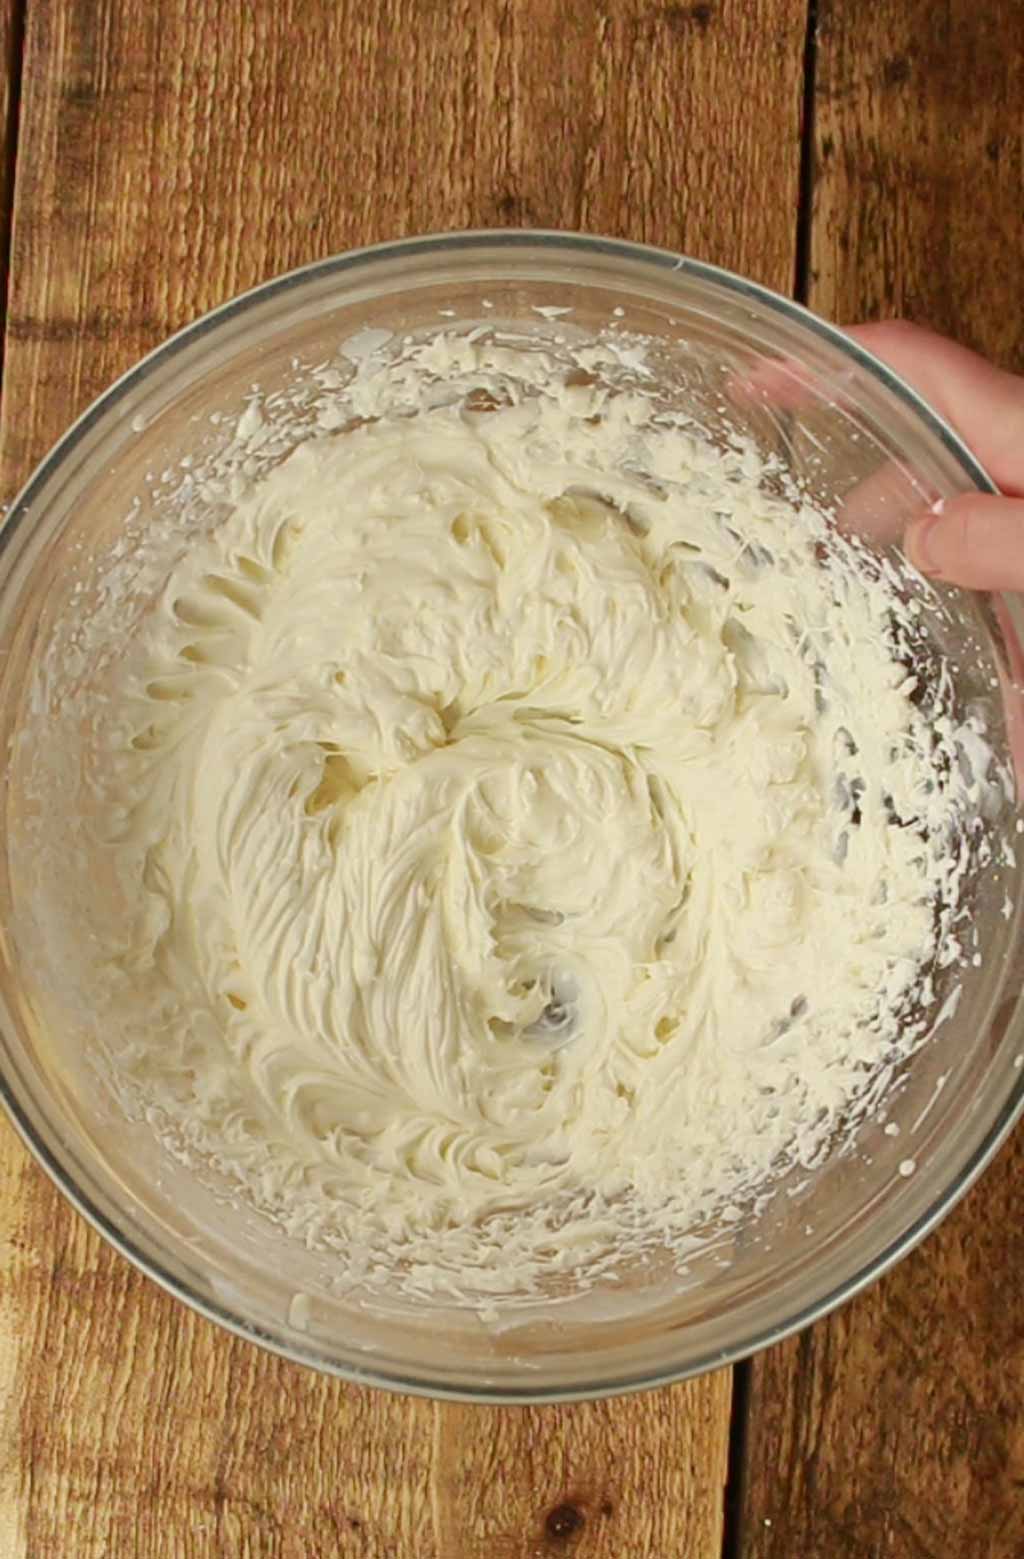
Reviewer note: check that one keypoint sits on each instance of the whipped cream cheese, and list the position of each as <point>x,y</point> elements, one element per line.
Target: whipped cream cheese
<point>533,835</point>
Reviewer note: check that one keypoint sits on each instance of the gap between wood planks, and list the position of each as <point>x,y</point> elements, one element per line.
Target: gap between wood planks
<point>734,1524</point>
<point>805,193</point>
<point>11,64</point>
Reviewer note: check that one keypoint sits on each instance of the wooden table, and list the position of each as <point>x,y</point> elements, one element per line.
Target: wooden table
<point>161,155</point>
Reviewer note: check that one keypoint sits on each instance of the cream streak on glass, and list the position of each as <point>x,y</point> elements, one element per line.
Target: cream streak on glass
<point>532,829</point>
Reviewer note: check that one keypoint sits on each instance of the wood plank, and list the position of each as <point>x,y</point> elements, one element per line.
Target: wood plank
<point>172,154</point>
<point>897,1427</point>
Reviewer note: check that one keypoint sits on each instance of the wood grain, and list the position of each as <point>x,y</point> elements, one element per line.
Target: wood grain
<point>919,153</point>
<point>897,1427</point>
<point>171,154</point>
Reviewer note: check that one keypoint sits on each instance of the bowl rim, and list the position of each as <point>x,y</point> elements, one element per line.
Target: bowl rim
<point>496,241</point>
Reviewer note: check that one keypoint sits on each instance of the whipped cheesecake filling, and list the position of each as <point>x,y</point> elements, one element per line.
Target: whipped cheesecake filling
<point>532,835</point>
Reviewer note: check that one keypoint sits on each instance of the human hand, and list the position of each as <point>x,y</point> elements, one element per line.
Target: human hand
<point>976,539</point>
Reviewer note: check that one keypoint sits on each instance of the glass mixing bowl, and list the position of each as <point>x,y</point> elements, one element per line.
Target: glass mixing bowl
<point>856,436</point>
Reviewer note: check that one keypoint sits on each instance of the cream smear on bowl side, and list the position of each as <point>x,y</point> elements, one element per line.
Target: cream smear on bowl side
<point>527,837</point>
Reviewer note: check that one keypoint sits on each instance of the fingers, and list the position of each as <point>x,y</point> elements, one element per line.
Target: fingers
<point>784,381</point>
<point>976,540</point>
<point>880,507</point>
<point>983,403</point>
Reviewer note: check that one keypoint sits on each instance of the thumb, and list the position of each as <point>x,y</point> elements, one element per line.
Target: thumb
<point>976,540</point>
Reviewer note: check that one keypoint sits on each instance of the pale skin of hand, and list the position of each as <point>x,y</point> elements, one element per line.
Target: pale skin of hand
<point>976,540</point>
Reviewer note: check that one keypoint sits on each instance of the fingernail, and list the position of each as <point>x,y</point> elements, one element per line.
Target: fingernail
<point>917,544</point>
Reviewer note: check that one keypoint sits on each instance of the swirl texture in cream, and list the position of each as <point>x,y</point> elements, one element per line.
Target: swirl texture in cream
<point>532,829</point>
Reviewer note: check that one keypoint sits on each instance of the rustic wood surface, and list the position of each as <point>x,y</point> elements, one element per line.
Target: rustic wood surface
<point>171,153</point>
<point>896,1428</point>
